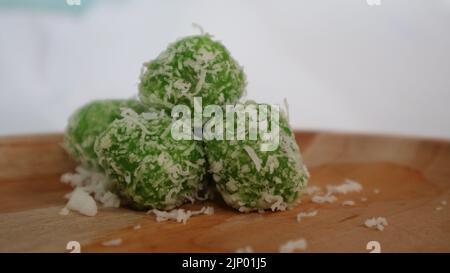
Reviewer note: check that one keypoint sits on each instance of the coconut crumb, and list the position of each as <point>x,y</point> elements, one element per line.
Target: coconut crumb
<point>113,242</point>
<point>306,214</point>
<point>348,203</point>
<point>439,208</point>
<point>89,185</point>
<point>279,205</point>
<point>82,202</point>
<point>376,223</point>
<point>286,106</point>
<point>64,211</point>
<point>318,199</point>
<point>344,188</point>
<point>199,28</point>
<point>180,215</point>
<point>291,246</point>
<point>110,200</point>
<point>246,249</point>
<point>363,199</point>
<point>312,190</point>
<point>444,202</point>
<point>76,179</point>
<point>347,187</point>
<point>376,191</point>
<point>137,226</point>
<point>205,210</point>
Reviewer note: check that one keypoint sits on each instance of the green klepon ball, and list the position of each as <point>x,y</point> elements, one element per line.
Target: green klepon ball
<point>152,169</point>
<point>194,66</point>
<point>88,122</point>
<point>250,177</point>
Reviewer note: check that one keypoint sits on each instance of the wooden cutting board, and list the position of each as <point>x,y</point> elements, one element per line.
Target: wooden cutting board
<point>412,176</point>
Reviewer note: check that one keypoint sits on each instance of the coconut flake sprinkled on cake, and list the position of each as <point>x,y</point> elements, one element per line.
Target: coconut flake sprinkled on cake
<point>306,214</point>
<point>110,200</point>
<point>251,153</point>
<point>286,108</point>
<point>291,246</point>
<point>376,223</point>
<point>180,215</point>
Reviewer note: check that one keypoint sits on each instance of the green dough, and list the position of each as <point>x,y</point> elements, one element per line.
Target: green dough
<point>195,66</point>
<point>88,122</point>
<point>152,169</point>
<point>251,179</point>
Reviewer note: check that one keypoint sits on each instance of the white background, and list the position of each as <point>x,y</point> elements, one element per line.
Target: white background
<point>342,65</point>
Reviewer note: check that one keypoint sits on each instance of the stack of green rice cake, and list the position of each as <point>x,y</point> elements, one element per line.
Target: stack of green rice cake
<point>131,141</point>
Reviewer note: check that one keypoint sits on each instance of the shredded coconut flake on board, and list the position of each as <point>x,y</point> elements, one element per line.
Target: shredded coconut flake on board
<point>75,179</point>
<point>246,249</point>
<point>318,199</point>
<point>439,208</point>
<point>82,202</point>
<point>312,190</point>
<point>64,211</point>
<point>376,191</point>
<point>110,200</point>
<point>444,202</point>
<point>347,187</point>
<point>348,203</point>
<point>292,246</point>
<point>306,214</point>
<point>363,199</point>
<point>376,223</point>
<point>136,227</point>
<point>113,242</point>
<point>180,215</point>
<point>87,183</point>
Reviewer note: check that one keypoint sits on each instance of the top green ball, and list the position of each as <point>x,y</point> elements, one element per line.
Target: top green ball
<point>194,66</point>
<point>88,122</point>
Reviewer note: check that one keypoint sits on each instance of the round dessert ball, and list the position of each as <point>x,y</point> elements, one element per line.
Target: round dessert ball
<point>88,122</point>
<point>250,177</point>
<point>194,66</point>
<point>152,169</point>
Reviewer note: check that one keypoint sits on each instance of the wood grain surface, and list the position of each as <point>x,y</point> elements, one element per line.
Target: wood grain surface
<point>412,176</point>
